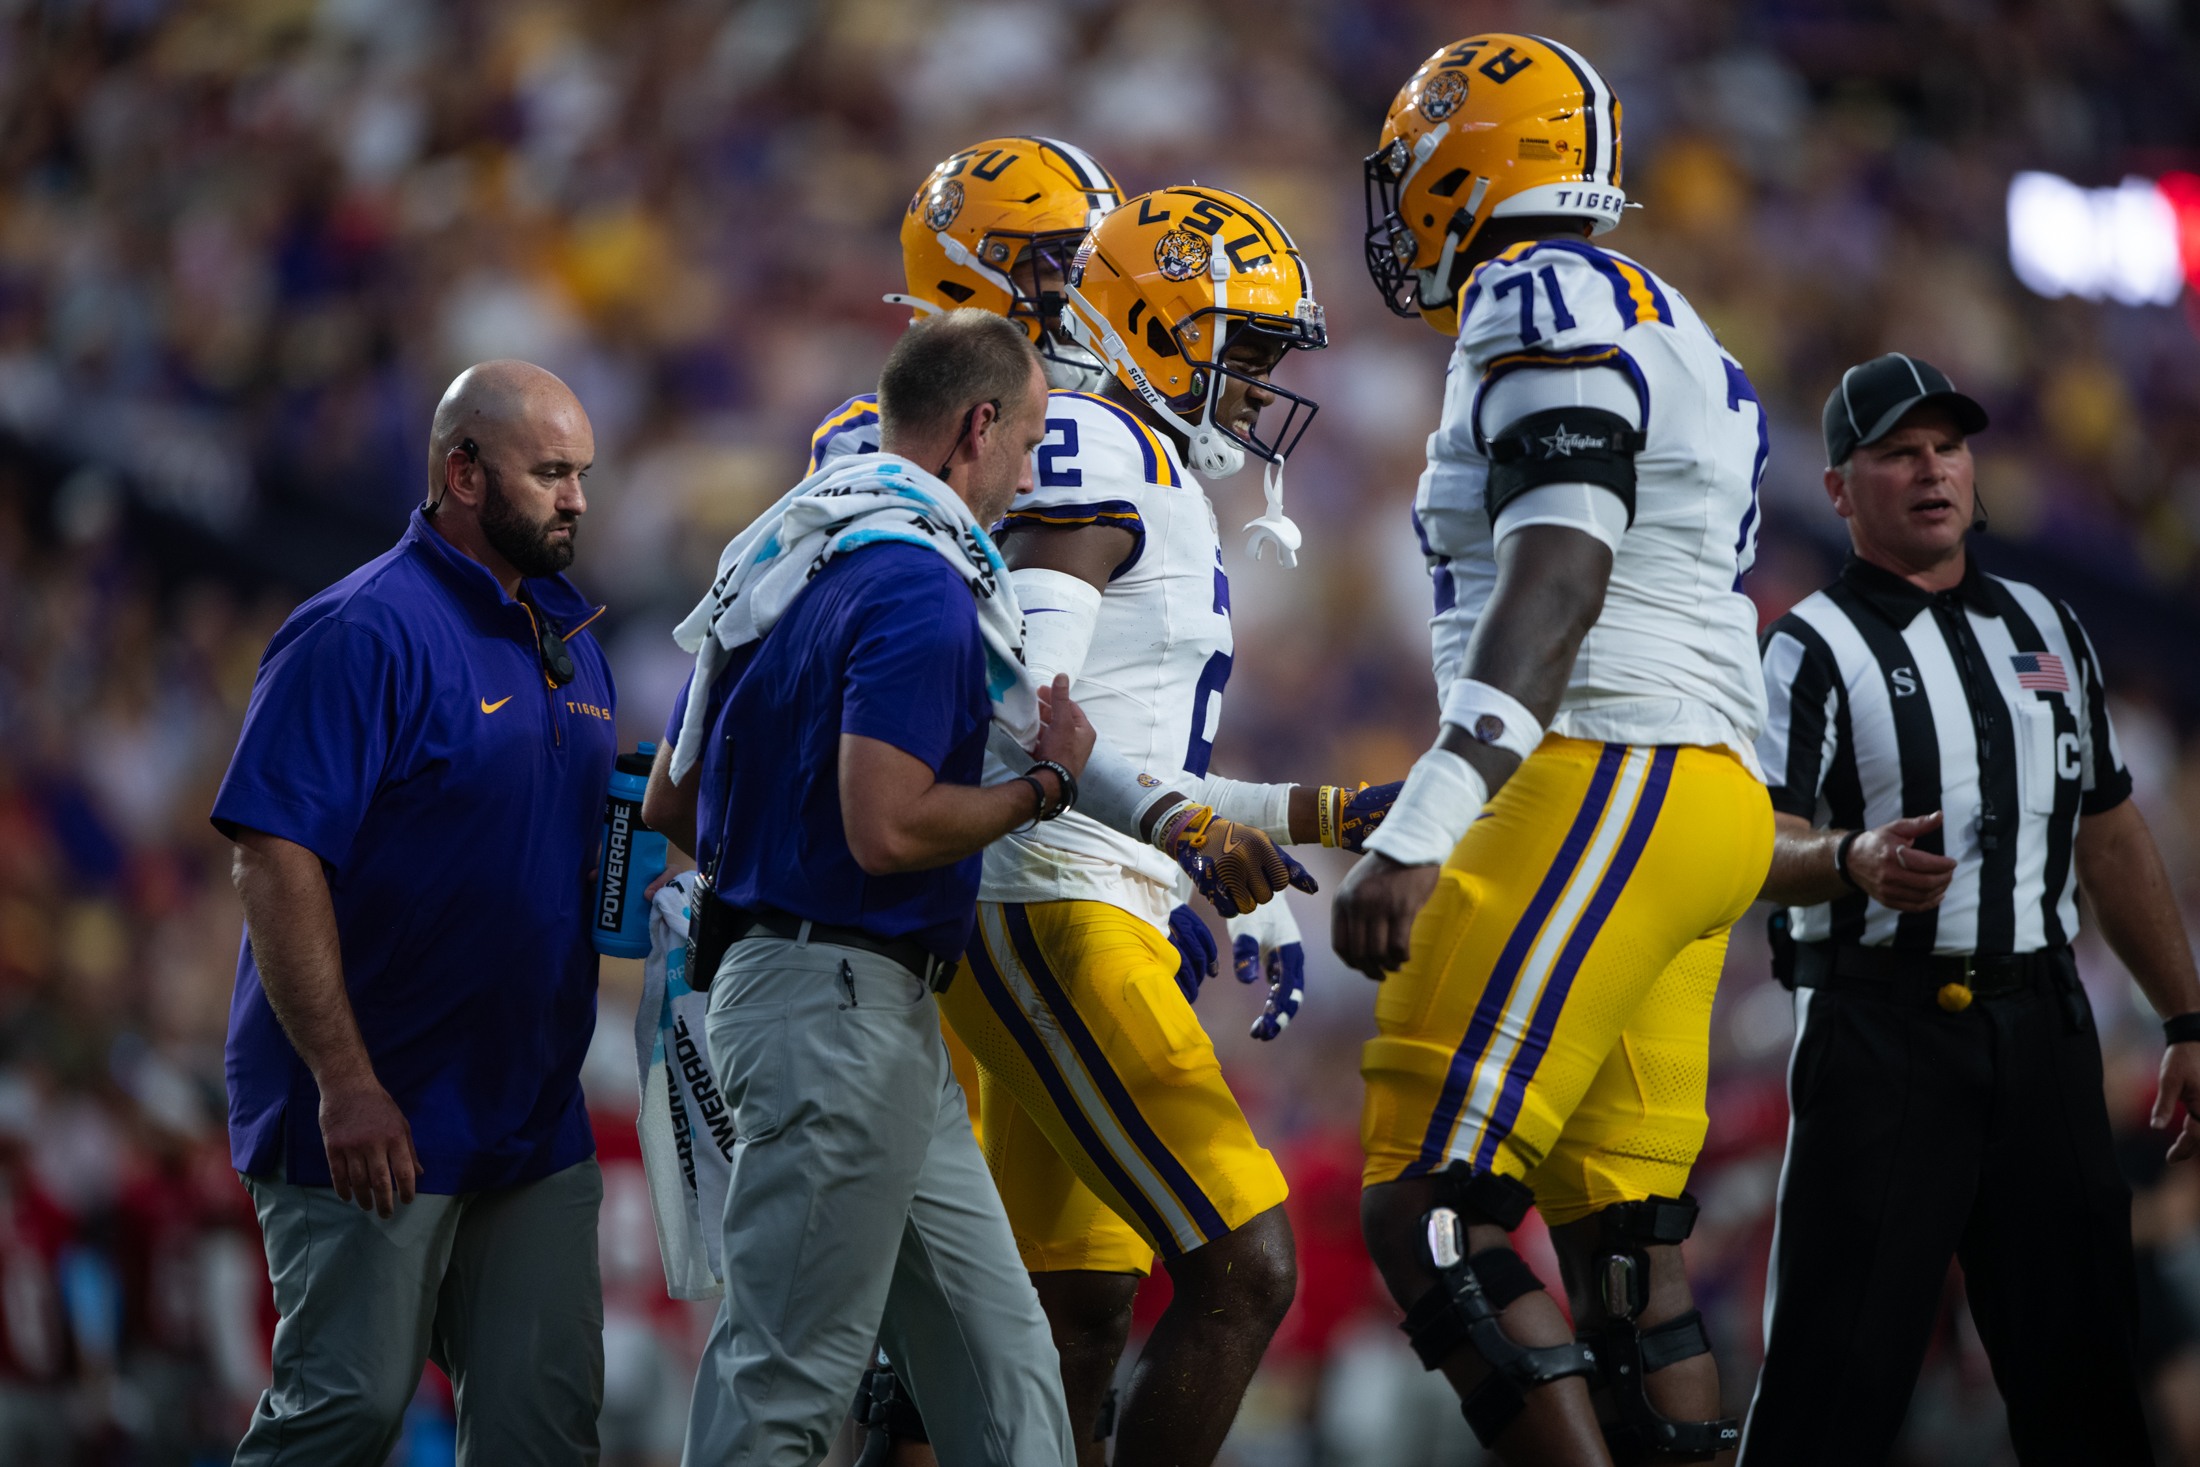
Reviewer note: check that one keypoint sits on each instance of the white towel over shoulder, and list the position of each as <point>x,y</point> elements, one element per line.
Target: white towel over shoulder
<point>853,502</point>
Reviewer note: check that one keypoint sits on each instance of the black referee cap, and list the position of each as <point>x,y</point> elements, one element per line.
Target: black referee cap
<point>1872,398</point>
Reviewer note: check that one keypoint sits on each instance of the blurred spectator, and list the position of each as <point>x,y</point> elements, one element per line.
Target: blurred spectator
<point>242,242</point>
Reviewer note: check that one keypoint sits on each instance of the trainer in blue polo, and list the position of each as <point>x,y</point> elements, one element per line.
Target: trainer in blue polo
<point>417,801</point>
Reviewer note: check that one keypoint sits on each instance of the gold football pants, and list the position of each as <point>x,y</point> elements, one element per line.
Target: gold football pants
<point>1553,1022</point>
<point>1106,1121</point>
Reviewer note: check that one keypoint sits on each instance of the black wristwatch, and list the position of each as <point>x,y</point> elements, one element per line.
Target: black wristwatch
<point>1841,860</point>
<point>2184,1029</point>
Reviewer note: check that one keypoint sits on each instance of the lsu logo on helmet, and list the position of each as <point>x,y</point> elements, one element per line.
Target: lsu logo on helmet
<point>995,227</point>
<point>946,202</point>
<point>1180,255</point>
<point>1495,125</point>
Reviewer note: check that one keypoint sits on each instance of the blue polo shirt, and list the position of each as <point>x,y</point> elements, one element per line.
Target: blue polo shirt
<point>883,643</point>
<point>402,729</point>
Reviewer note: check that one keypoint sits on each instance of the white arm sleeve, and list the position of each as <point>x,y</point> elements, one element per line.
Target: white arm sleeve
<point>1589,508</point>
<point>1108,790</point>
<point>1060,612</point>
<point>1267,807</point>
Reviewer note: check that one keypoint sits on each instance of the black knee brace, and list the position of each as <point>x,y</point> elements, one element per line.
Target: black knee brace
<point>1463,1309</point>
<point>1626,1354</point>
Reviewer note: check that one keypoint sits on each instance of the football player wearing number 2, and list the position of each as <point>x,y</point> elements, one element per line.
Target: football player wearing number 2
<point>1110,1130</point>
<point>1552,892</point>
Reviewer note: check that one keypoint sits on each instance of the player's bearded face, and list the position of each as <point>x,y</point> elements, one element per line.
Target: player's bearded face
<point>531,545</point>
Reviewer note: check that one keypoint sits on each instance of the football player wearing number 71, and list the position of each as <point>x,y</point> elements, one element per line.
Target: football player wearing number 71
<point>1548,903</point>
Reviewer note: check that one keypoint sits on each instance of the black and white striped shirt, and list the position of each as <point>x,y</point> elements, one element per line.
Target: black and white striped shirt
<point>1984,701</point>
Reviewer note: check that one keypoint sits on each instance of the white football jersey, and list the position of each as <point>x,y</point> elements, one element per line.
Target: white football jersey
<point>1153,676</point>
<point>1673,657</point>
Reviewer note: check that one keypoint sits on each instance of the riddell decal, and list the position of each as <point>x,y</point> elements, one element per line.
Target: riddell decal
<point>1181,254</point>
<point>1442,96</point>
<point>946,202</point>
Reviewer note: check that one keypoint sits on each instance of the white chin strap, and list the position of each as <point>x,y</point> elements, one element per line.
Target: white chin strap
<point>1211,454</point>
<point>960,255</point>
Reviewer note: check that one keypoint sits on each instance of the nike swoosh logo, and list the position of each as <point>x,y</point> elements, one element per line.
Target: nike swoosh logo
<point>489,707</point>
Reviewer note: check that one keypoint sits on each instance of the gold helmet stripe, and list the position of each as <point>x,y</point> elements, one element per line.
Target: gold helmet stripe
<point>1596,117</point>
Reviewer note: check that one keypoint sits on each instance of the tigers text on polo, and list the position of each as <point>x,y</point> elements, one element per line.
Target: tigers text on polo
<point>402,728</point>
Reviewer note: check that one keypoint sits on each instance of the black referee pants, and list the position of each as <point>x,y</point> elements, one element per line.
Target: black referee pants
<point>1917,1136</point>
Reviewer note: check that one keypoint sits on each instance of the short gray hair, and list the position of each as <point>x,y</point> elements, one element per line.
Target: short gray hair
<point>944,364</point>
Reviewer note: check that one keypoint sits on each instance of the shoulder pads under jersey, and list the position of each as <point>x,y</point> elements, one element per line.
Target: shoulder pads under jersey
<point>1096,466</point>
<point>850,428</point>
<point>1556,296</point>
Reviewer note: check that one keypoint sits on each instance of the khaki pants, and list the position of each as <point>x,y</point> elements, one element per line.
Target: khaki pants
<point>860,1211</point>
<point>499,1288</point>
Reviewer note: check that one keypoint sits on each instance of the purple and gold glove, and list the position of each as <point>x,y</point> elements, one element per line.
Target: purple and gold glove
<point>1348,816</point>
<point>1234,866</point>
<point>1196,954</point>
<point>1273,931</point>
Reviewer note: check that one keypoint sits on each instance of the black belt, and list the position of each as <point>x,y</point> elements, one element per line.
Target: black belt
<point>1931,976</point>
<point>934,971</point>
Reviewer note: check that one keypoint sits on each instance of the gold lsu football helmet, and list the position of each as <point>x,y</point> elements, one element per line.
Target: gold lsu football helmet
<point>1005,203</point>
<point>1494,125</point>
<point>1162,286</point>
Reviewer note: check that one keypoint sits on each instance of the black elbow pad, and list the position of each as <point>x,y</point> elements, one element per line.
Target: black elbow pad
<point>1566,445</point>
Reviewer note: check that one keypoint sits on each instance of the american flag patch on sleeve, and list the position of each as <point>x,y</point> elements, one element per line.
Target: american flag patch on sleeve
<point>2041,671</point>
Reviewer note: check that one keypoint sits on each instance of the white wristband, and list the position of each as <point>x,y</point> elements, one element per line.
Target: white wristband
<point>1492,716</point>
<point>1441,797</point>
<point>1265,807</point>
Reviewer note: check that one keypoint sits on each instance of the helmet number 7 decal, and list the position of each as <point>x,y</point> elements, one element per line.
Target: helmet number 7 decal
<point>1561,318</point>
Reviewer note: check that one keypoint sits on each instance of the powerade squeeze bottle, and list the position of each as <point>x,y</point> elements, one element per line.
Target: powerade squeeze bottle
<point>632,857</point>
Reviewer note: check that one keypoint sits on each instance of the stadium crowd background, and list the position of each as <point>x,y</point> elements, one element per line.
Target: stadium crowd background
<point>244,244</point>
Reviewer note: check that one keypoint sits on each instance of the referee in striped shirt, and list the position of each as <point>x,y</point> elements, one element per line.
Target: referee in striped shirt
<point>1945,782</point>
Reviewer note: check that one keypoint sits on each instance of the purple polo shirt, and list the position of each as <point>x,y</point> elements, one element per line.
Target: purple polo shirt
<point>401,728</point>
